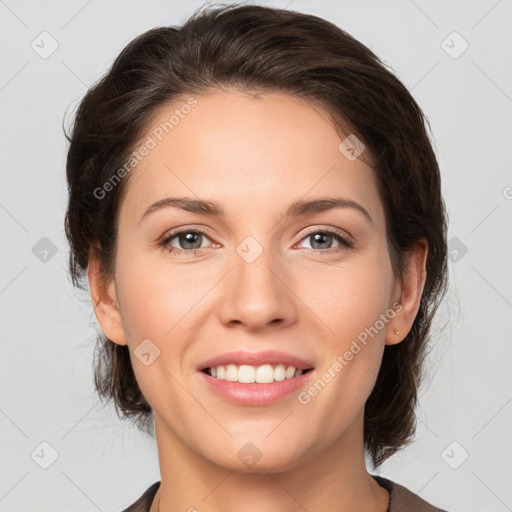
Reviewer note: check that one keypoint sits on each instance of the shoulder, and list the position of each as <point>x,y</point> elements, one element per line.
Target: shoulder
<point>143,504</point>
<point>404,500</point>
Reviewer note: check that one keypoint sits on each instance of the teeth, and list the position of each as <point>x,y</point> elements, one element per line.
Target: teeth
<point>250,374</point>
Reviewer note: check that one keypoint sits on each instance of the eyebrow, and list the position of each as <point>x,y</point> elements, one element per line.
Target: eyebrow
<point>296,209</point>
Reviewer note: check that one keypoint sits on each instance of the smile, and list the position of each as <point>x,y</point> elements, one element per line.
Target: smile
<point>263,374</point>
<point>255,394</point>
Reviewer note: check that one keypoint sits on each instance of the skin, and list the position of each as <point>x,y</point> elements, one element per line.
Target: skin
<point>255,155</point>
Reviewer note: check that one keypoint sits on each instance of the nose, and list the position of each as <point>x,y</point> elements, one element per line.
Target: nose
<point>258,294</point>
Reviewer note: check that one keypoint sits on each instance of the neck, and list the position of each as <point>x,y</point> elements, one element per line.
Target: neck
<point>333,479</point>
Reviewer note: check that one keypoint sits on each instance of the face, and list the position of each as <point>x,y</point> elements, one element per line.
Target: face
<point>305,282</point>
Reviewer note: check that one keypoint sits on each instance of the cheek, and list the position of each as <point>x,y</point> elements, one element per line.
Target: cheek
<point>157,295</point>
<point>350,297</point>
<point>157,301</point>
<point>166,304</point>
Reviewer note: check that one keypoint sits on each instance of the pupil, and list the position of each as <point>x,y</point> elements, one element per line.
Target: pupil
<point>318,238</point>
<point>190,238</point>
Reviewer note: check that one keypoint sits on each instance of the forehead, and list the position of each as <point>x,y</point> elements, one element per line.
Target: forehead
<point>247,152</point>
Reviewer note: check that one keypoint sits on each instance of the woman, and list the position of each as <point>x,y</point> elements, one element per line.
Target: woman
<point>257,207</point>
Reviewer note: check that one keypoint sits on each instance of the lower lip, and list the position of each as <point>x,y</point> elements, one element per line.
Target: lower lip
<point>253,395</point>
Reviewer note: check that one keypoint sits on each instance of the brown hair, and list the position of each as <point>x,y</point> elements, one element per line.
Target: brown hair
<point>255,48</point>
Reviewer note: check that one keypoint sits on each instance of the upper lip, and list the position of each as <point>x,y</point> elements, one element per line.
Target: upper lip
<point>256,359</point>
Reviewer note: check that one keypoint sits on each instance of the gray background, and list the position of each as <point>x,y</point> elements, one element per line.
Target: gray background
<point>461,458</point>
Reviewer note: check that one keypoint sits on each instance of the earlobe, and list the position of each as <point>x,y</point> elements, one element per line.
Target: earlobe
<point>104,298</point>
<point>411,291</point>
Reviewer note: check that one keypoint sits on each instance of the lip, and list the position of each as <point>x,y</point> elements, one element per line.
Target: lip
<point>257,359</point>
<point>254,395</point>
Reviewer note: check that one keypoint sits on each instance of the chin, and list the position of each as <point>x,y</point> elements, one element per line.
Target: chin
<point>257,458</point>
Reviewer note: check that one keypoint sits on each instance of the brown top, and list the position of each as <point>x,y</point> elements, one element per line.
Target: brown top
<point>401,498</point>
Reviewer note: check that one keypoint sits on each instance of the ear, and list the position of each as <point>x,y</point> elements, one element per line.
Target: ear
<point>408,293</point>
<point>104,297</point>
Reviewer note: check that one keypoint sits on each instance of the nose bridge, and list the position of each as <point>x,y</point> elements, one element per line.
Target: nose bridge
<point>255,293</point>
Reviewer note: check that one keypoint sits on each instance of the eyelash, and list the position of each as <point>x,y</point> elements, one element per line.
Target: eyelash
<point>345,243</point>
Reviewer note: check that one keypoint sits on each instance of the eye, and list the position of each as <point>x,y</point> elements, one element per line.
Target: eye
<point>188,241</point>
<point>322,241</point>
